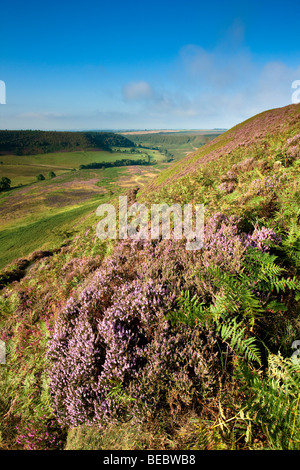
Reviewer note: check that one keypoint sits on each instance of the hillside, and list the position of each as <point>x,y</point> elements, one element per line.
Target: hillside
<point>35,142</point>
<point>265,135</point>
<point>248,171</point>
<point>146,345</point>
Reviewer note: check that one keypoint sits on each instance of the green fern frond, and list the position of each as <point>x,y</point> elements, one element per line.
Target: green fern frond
<point>190,311</point>
<point>291,242</point>
<point>236,296</point>
<point>274,401</point>
<point>233,334</point>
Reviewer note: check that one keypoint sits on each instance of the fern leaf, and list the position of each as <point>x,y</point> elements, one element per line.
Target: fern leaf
<point>233,334</point>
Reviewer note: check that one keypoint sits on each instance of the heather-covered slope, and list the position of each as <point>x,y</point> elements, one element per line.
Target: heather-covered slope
<point>251,171</point>
<point>265,134</point>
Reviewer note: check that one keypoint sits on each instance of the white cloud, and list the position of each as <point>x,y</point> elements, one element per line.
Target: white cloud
<point>218,88</point>
<point>137,91</point>
<point>201,88</point>
<point>41,115</point>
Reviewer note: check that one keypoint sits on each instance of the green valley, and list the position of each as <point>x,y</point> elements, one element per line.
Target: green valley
<point>142,344</point>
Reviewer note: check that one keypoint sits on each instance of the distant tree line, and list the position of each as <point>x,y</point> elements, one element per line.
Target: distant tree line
<point>124,162</point>
<point>34,142</point>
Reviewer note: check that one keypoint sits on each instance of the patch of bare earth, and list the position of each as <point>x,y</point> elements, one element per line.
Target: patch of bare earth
<point>136,175</point>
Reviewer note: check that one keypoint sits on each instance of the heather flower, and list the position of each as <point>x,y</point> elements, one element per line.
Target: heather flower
<point>261,238</point>
<point>113,353</point>
<point>132,345</point>
<point>265,186</point>
<point>41,433</point>
<point>227,187</point>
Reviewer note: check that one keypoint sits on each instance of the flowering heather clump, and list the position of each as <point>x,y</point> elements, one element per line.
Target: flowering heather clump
<point>40,434</point>
<point>294,152</point>
<point>293,147</point>
<point>230,176</point>
<point>245,165</point>
<point>265,186</point>
<point>180,359</point>
<point>223,245</point>
<point>292,141</point>
<point>228,187</point>
<point>76,349</point>
<point>168,262</point>
<point>78,267</point>
<point>113,352</point>
<point>261,239</point>
<point>130,345</point>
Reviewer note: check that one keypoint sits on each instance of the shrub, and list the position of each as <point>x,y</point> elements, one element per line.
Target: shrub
<point>4,183</point>
<point>117,354</point>
<point>125,361</point>
<point>273,401</point>
<point>42,433</point>
<point>266,186</point>
<point>228,187</point>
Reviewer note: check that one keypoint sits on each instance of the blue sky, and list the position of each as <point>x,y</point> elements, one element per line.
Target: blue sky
<point>145,64</point>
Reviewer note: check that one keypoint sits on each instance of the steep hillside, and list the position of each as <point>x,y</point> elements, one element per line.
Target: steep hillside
<point>143,344</point>
<point>251,171</point>
<point>270,136</point>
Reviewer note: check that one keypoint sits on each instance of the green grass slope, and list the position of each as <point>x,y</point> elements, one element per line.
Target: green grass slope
<point>36,214</point>
<point>24,169</point>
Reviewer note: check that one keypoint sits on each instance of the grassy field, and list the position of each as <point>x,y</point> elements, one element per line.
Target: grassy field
<point>41,215</point>
<point>24,169</point>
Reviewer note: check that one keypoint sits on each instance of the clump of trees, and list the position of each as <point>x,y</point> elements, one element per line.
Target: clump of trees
<point>124,162</point>
<point>4,183</point>
<point>40,177</point>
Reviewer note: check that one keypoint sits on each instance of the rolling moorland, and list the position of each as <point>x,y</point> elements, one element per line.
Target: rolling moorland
<point>43,211</point>
<point>176,144</point>
<point>145,345</point>
<point>52,193</point>
<point>29,142</point>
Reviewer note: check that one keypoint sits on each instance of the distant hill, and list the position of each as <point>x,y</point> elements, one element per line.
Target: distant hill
<point>29,142</point>
<point>174,138</point>
<point>177,143</point>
